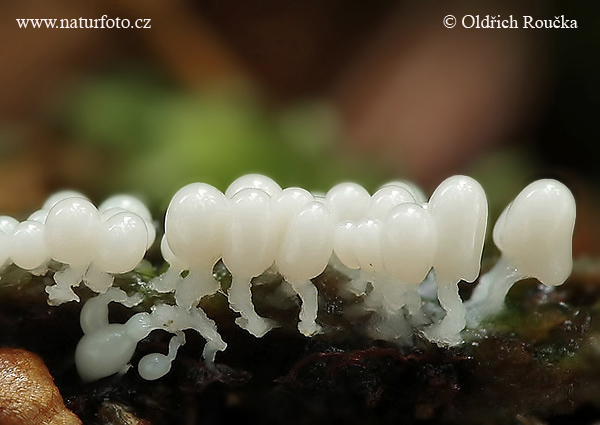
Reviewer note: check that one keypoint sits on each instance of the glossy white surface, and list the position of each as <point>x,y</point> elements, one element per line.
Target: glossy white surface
<point>408,243</point>
<point>347,201</point>
<point>535,231</point>
<point>459,208</point>
<point>195,224</point>
<point>253,181</point>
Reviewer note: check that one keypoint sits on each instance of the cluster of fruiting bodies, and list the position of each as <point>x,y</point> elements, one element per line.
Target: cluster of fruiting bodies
<point>389,243</point>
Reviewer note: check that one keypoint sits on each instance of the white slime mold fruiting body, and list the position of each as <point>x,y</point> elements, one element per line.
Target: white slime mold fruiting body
<point>534,234</point>
<point>304,253</point>
<point>72,228</point>
<point>28,246</point>
<point>408,242</point>
<point>59,196</point>
<point>121,245</point>
<point>368,236</point>
<point>357,231</point>
<point>415,191</point>
<point>367,246</point>
<point>91,245</point>
<point>155,365</point>
<point>33,252</point>
<point>7,226</point>
<point>175,318</point>
<point>343,244</point>
<point>386,198</point>
<point>104,352</point>
<point>195,223</point>
<point>459,208</point>
<point>107,348</point>
<point>250,248</point>
<point>134,205</point>
<point>394,240</point>
<point>347,201</point>
<point>253,181</point>
<point>285,205</point>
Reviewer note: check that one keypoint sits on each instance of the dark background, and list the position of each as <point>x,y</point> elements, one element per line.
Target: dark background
<point>309,92</point>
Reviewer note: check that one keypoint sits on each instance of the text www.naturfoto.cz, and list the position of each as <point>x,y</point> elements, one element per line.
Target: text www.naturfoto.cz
<point>99,23</point>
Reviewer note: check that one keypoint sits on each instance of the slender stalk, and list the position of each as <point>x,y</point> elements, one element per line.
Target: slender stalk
<point>309,306</point>
<point>240,301</point>
<point>489,294</point>
<point>448,330</point>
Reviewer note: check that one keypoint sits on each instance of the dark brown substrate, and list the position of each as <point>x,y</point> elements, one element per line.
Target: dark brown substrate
<point>537,363</point>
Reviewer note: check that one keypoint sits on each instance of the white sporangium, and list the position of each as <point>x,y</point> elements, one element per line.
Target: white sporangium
<point>387,243</point>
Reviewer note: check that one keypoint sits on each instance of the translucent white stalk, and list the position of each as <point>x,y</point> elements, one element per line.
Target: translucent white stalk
<point>195,286</point>
<point>459,209</point>
<point>488,297</point>
<point>97,279</point>
<point>309,302</point>
<point>94,313</point>
<point>240,301</point>
<point>174,318</point>
<point>387,300</point>
<point>169,280</point>
<point>66,278</point>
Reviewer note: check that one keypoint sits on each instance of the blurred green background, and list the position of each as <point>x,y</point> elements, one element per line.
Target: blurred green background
<point>311,93</point>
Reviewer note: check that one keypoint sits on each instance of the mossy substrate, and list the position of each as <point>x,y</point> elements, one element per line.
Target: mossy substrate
<point>538,362</point>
